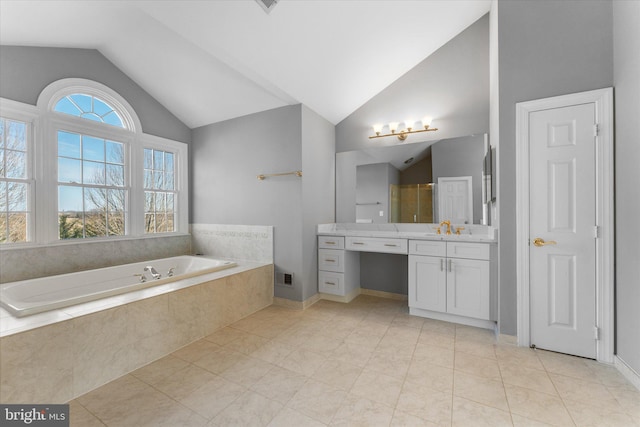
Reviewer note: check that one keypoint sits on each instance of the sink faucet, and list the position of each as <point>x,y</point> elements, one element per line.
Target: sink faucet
<point>153,272</point>
<point>448,224</point>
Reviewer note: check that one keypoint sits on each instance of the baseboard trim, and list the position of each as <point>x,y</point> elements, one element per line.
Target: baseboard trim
<point>303,305</point>
<point>383,294</point>
<point>507,339</point>
<point>296,305</point>
<point>469,321</point>
<point>340,298</point>
<point>627,371</point>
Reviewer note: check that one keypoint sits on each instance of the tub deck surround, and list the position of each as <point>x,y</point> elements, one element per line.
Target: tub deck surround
<point>250,242</point>
<point>56,356</point>
<point>33,296</point>
<point>10,324</point>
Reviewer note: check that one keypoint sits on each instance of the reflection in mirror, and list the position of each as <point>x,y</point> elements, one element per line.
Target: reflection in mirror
<point>422,182</point>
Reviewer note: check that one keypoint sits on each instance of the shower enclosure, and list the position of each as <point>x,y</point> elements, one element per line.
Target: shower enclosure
<point>412,203</point>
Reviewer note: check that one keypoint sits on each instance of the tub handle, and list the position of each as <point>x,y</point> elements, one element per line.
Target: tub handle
<point>142,277</point>
<point>170,273</point>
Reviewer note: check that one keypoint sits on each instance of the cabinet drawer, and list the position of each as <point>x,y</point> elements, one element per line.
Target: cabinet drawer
<point>331,283</point>
<point>331,242</point>
<point>468,250</point>
<point>331,260</point>
<point>374,244</point>
<point>427,247</point>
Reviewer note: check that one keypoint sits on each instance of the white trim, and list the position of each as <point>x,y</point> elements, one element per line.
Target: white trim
<point>51,94</point>
<point>453,318</point>
<point>296,305</point>
<point>181,176</point>
<point>603,99</point>
<point>627,371</point>
<point>16,111</point>
<point>44,123</point>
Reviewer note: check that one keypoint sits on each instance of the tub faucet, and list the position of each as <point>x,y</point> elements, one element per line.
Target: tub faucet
<point>153,272</point>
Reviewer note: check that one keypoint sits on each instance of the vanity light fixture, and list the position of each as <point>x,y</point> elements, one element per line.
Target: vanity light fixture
<point>408,129</point>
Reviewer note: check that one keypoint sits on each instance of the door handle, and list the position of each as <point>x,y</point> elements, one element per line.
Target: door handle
<point>538,241</point>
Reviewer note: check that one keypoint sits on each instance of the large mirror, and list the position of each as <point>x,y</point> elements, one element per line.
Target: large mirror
<point>423,182</point>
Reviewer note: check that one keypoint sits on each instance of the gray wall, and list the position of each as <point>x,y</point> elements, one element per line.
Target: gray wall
<point>346,166</point>
<point>626,74</point>
<point>451,85</point>
<point>384,272</point>
<point>227,156</point>
<point>318,190</point>
<point>372,186</point>
<point>547,48</point>
<point>461,157</point>
<point>25,71</point>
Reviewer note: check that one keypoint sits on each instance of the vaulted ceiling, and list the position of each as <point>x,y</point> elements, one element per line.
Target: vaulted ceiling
<point>208,61</point>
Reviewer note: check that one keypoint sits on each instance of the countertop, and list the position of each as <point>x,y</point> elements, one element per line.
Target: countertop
<point>471,232</point>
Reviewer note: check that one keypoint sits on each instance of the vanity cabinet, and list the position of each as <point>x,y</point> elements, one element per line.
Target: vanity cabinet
<point>377,244</point>
<point>450,277</point>
<point>338,269</point>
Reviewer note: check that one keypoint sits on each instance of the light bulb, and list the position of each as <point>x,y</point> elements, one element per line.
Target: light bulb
<point>393,126</point>
<point>377,128</point>
<point>408,124</point>
<point>426,122</point>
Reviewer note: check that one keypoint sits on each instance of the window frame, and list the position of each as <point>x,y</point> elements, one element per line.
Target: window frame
<point>43,124</point>
<point>80,126</point>
<point>15,111</point>
<point>180,177</point>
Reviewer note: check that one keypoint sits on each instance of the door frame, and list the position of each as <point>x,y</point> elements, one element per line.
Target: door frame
<point>603,99</point>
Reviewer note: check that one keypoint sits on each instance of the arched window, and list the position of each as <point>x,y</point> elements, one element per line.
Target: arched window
<point>92,160</point>
<point>89,107</point>
<point>82,155</point>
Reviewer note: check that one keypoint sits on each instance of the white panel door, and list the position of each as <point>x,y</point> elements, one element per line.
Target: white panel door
<point>427,283</point>
<point>562,222</point>
<point>455,199</point>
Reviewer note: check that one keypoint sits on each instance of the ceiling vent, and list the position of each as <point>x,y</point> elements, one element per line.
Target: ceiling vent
<point>267,5</point>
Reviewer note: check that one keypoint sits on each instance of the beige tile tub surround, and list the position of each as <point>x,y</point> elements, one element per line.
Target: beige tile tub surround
<point>58,362</point>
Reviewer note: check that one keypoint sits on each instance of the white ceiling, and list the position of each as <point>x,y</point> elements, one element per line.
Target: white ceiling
<point>208,61</point>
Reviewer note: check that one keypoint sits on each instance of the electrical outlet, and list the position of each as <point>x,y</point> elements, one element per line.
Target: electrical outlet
<point>381,213</point>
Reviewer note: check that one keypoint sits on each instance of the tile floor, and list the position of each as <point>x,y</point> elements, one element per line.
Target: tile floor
<point>367,363</point>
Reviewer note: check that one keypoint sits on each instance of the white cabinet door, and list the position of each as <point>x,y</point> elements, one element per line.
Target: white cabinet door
<point>468,288</point>
<point>427,283</point>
